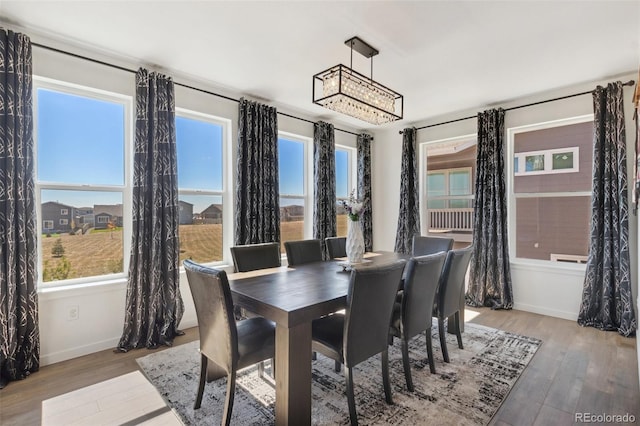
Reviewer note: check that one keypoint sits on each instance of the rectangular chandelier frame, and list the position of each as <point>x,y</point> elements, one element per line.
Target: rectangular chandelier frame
<point>344,90</point>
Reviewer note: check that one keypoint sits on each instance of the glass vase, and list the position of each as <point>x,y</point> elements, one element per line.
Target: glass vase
<point>355,242</point>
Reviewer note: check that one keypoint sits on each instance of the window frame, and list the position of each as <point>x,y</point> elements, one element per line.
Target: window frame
<point>352,174</point>
<point>512,196</point>
<point>448,197</point>
<point>548,161</point>
<point>225,193</point>
<point>125,189</point>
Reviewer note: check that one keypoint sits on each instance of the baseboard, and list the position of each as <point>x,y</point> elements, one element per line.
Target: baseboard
<point>571,316</point>
<point>52,358</point>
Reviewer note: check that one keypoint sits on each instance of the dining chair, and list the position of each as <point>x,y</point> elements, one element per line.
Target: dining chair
<point>363,330</point>
<point>255,256</point>
<point>336,247</point>
<point>413,315</point>
<point>303,251</point>
<point>225,346</point>
<point>429,245</point>
<point>450,293</point>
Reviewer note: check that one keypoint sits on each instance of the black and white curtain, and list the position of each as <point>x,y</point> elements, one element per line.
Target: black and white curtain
<point>489,269</point>
<point>19,334</point>
<point>324,177</point>
<point>409,214</point>
<point>154,305</point>
<point>364,188</point>
<point>607,302</point>
<point>257,185</point>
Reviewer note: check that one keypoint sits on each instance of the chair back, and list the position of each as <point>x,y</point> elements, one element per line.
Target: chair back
<point>255,256</point>
<point>430,245</point>
<point>336,247</point>
<point>421,281</point>
<point>214,310</point>
<point>452,281</point>
<point>372,293</point>
<point>303,251</point>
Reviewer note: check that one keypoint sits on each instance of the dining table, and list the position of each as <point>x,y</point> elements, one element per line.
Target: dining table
<point>292,297</point>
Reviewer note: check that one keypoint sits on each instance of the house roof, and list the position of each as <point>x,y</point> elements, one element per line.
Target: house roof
<point>110,209</point>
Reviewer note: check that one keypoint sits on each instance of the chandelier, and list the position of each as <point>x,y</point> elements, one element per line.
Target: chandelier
<point>346,91</point>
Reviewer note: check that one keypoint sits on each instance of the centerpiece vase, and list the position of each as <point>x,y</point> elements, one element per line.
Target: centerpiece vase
<point>355,242</point>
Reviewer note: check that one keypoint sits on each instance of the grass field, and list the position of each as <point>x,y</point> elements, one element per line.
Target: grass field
<point>100,253</point>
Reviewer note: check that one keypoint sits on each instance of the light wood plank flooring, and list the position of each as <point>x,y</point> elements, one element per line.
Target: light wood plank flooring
<point>576,370</point>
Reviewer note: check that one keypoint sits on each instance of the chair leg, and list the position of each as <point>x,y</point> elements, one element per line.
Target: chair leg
<point>228,404</point>
<point>314,355</point>
<point>261,369</point>
<point>273,368</point>
<point>443,339</point>
<point>203,378</point>
<point>385,376</point>
<point>351,400</point>
<point>432,366</point>
<point>406,365</point>
<point>458,330</point>
<point>337,366</point>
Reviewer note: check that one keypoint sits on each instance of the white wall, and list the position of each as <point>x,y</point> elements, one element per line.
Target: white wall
<point>101,306</point>
<point>542,288</point>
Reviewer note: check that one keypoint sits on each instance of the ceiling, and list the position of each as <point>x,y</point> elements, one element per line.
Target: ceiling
<point>443,56</point>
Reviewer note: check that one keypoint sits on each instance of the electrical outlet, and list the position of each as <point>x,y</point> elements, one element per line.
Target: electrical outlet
<point>73,313</point>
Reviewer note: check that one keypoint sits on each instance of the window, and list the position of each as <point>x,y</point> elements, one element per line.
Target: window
<point>449,189</point>
<point>200,148</point>
<point>103,219</point>
<point>292,168</point>
<point>82,150</point>
<point>551,190</point>
<point>345,183</point>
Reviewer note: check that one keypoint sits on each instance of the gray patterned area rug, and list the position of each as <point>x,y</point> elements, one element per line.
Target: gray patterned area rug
<point>467,391</point>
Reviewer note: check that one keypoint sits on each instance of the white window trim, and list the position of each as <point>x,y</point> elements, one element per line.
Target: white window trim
<point>126,189</point>
<point>511,201</point>
<point>227,185</point>
<point>548,161</point>
<point>352,172</point>
<point>64,212</point>
<point>468,141</point>
<point>103,219</point>
<point>48,222</point>
<point>64,221</point>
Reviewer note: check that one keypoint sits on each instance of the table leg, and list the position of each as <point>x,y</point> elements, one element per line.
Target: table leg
<point>293,375</point>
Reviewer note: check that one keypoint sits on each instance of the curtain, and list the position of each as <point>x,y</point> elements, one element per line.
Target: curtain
<point>324,177</point>
<point>606,296</point>
<point>489,270</point>
<point>154,305</point>
<point>19,334</point>
<point>257,190</point>
<point>409,214</point>
<point>364,188</point>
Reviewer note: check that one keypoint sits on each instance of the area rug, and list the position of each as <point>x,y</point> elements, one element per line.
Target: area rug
<point>466,391</point>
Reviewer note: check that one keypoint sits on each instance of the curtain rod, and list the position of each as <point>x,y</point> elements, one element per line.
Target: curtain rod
<point>118,67</point>
<point>628,83</point>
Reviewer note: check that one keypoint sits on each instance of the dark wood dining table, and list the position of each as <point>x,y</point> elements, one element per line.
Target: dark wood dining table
<point>293,298</point>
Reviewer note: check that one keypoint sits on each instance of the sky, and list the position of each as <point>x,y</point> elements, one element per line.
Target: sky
<point>80,140</point>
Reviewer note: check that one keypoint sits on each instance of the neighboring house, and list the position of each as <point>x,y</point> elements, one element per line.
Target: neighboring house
<point>57,217</point>
<point>291,213</point>
<point>212,214</point>
<point>107,213</point>
<point>84,217</point>
<point>186,212</point>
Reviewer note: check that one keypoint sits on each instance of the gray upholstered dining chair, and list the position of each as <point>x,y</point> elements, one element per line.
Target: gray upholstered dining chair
<point>225,346</point>
<point>255,256</point>
<point>450,292</point>
<point>363,331</point>
<point>336,246</point>
<point>413,315</point>
<point>303,251</point>
<point>429,245</point>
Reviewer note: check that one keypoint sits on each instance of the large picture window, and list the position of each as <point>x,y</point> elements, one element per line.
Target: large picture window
<point>345,183</point>
<point>200,147</point>
<point>293,170</point>
<point>551,190</point>
<point>82,149</point>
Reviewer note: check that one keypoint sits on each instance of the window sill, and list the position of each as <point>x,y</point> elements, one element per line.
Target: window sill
<point>547,265</point>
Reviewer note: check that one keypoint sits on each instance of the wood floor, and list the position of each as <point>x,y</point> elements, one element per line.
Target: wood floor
<point>576,370</point>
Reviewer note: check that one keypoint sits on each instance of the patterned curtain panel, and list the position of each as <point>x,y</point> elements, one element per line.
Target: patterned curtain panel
<point>257,190</point>
<point>606,296</point>
<point>489,270</point>
<point>324,176</point>
<point>364,188</point>
<point>19,334</point>
<point>409,215</point>
<point>154,306</point>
